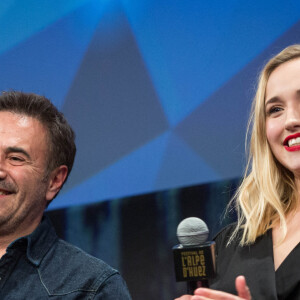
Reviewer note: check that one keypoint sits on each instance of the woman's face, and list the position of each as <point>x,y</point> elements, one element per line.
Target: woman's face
<point>282,106</point>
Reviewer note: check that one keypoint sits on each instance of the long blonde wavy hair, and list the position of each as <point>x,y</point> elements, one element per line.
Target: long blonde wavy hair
<point>268,191</point>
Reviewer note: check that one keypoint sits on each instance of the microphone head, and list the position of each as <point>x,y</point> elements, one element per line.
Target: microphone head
<point>192,232</point>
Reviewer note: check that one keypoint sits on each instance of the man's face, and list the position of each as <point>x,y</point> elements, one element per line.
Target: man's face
<point>24,190</point>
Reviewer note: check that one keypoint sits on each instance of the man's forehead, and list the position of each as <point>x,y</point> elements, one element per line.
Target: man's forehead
<point>21,124</point>
<point>21,119</point>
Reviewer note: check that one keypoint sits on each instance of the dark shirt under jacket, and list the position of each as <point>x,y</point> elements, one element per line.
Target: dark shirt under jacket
<point>42,266</point>
<point>256,263</point>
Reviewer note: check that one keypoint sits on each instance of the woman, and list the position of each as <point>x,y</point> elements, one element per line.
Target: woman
<point>264,245</point>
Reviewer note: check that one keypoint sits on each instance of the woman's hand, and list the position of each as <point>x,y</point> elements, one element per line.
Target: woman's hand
<point>209,294</point>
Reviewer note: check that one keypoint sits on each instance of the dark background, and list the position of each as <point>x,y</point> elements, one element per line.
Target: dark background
<point>136,234</point>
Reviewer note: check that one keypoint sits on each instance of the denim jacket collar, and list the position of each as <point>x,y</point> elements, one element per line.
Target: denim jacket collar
<point>38,243</point>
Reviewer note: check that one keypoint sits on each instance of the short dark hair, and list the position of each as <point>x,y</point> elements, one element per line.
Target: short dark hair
<point>62,148</point>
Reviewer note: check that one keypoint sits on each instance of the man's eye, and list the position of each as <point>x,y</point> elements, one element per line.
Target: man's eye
<point>16,160</point>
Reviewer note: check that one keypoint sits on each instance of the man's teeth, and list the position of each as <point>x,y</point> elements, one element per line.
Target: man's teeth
<point>294,142</point>
<point>3,193</point>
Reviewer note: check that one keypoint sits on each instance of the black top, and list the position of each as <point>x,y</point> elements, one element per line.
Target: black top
<point>41,266</point>
<point>256,263</point>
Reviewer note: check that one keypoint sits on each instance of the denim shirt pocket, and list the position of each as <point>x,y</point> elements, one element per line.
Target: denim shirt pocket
<point>67,270</point>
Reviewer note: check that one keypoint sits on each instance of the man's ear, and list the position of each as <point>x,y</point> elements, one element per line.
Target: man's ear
<point>56,179</point>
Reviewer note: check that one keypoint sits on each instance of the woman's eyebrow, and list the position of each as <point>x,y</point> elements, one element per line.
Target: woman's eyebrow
<point>273,100</point>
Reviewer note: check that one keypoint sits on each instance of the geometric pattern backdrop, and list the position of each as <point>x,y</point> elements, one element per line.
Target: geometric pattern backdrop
<point>158,91</point>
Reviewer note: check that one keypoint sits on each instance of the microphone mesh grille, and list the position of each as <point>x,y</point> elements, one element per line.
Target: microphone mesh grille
<point>192,232</point>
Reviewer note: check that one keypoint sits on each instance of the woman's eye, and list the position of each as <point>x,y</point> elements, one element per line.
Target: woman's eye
<point>274,110</point>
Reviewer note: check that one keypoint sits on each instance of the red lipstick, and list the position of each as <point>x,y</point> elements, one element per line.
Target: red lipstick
<point>292,148</point>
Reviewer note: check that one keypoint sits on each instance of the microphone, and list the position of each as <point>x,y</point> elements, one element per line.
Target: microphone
<point>194,258</point>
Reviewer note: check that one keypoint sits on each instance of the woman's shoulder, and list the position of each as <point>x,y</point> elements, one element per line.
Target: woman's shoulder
<point>223,236</point>
<point>225,231</point>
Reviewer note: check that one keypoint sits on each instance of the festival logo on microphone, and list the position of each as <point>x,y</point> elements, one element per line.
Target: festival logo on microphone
<point>194,263</point>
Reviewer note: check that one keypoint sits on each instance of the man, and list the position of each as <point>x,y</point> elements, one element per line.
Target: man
<point>37,151</point>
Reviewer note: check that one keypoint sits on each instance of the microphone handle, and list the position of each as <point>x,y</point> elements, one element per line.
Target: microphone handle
<point>193,285</point>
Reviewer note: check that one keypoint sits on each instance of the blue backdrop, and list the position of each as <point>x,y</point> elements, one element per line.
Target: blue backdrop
<point>157,91</point>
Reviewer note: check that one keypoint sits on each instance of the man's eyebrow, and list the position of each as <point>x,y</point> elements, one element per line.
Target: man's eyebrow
<point>17,150</point>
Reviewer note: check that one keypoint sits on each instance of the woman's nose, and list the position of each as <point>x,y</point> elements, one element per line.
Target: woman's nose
<point>292,121</point>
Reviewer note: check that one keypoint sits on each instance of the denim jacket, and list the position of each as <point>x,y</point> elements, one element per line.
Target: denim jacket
<point>42,266</point>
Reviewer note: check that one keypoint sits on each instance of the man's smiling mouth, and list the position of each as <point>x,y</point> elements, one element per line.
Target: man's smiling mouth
<point>3,192</point>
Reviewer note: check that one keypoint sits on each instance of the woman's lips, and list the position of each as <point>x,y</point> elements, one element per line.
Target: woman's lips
<point>293,148</point>
<point>292,142</point>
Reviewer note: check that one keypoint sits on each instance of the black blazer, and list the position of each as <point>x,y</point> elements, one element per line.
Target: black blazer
<point>255,262</point>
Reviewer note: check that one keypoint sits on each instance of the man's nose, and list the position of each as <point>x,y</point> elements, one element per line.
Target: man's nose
<point>3,171</point>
